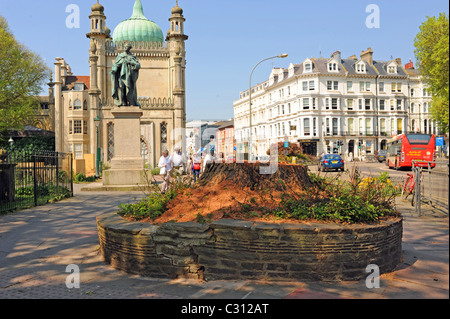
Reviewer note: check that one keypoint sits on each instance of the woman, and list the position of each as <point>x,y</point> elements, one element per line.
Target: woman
<point>196,166</point>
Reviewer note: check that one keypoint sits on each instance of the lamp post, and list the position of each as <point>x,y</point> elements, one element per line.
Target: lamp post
<point>11,142</point>
<point>97,161</point>
<point>250,143</point>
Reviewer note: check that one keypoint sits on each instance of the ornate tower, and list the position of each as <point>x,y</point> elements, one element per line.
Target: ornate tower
<point>177,49</point>
<point>98,35</point>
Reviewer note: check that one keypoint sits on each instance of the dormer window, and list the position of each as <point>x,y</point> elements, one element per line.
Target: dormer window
<point>307,66</point>
<point>361,68</point>
<point>332,67</point>
<point>79,87</point>
<point>392,69</point>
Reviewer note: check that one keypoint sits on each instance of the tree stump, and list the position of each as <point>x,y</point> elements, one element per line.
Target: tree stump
<point>249,175</point>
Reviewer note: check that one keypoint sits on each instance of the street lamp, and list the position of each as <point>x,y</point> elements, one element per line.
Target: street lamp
<point>11,142</point>
<point>97,161</point>
<point>250,143</point>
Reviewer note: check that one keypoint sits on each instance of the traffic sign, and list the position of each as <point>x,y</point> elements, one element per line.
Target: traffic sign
<point>286,144</point>
<point>439,141</point>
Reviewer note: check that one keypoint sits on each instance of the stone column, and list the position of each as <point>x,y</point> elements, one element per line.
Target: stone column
<point>59,119</point>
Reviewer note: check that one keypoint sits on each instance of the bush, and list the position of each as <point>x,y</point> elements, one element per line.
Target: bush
<point>80,178</point>
<point>152,206</point>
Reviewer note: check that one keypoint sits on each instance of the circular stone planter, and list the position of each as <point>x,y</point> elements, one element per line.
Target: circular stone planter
<point>241,250</point>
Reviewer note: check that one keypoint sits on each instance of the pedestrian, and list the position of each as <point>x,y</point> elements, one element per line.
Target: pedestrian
<point>209,158</point>
<point>196,166</point>
<point>177,161</point>
<point>165,163</point>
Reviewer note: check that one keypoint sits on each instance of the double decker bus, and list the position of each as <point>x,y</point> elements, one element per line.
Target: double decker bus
<point>405,148</point>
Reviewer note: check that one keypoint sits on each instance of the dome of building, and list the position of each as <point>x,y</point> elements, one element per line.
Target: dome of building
<point>97,7</point>
<point>138,28</point>
<point>177,10</point>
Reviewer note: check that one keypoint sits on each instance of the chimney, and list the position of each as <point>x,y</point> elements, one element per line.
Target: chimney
<point>367,56</point>
<point>353,57</point>
<point>337,56</point>
<point>409,65</point>
<point>399,61</point>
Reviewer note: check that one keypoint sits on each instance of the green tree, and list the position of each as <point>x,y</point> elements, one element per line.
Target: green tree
<point>432,54</point>
<point>22,75</point>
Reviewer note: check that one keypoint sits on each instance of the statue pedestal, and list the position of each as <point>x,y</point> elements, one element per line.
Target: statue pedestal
<point>127,165</point>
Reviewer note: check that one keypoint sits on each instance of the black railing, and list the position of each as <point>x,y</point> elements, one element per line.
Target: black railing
<point>32,178</point>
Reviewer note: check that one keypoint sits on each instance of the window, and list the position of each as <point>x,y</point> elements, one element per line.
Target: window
<point>327,103</point>
<point>305,85</point>
<point>311,85</point>
<point>282,109</point>
<point>399,105</point>
<point>334,104</point>
<point>351,127</point>
<point>350,104</point>
<point>425,107</point>
<point>368,86</point>
<point>70,127</point>
<point>110,140</point>
<point>367,103</point>
<point>399,87</point>
<point>393,87</point>
<point>412,92</point>
<point>85,127</point>
<point>412,108</point>
<point>77,128</point>
<point>392,69</point>
<point>350,86</point>
<point>381,86</point>
<point>77,105</point>
<point>85,105</point>
<point>392,105</point>
<point>306,127</point>
<point>360,68</point>
<point>382,105</point>
<point>383,127</point>
<point>305,102</point>
<point>332,67</point>
<point>78,150</point>
<point>70,104</point>
<point>332,85</point>
<point>335,126</point>
<point>164,137</point>
<point>314,103</point>
<point>369,127</point>
<point>362,86</point>
<point>308,67</point>
<point>360,104</point>
<point>79,87</point>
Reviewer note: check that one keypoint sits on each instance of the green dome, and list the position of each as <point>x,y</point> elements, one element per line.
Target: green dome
<point>138,28</point>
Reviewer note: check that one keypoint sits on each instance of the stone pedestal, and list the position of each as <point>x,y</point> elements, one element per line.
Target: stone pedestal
<point>127,165</point>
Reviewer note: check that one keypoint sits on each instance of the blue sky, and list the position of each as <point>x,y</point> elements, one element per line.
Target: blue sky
<point>228,38</point>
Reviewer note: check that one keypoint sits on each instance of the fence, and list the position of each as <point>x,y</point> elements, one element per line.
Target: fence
<point>32,178</point>
<point>431,186</point>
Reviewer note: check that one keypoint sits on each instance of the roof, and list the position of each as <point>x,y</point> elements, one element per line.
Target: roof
<point>72,79</point>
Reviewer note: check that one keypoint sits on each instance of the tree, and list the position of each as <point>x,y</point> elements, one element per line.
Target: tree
<point>432,50</point>
<point>22,75</point>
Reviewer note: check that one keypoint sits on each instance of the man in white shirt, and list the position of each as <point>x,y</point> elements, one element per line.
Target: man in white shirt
<point>177,161</point>
<point>165,162</point>
<point>209,158</point>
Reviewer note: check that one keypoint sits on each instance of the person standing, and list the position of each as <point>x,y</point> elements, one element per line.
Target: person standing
<point>165,163</point>
<point>209,158</point>
<point>178,163</point>
<point>196,166</point>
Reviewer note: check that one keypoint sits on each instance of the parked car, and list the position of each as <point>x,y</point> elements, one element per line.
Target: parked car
<point>381,156</point>
<point>331,161</point>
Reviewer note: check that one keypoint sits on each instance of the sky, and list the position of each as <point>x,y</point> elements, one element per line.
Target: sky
<point>228,38</point>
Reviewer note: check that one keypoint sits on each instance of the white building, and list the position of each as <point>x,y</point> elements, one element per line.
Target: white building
<point>350,106</point>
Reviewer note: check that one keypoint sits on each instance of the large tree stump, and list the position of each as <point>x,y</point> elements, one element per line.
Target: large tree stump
<point>248,175</point>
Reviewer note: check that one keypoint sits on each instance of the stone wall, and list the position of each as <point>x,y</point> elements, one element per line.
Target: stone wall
<point>231,249</point>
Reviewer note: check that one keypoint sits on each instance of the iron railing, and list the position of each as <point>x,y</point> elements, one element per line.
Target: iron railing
<point>431,186</point>
<point>32,178</point>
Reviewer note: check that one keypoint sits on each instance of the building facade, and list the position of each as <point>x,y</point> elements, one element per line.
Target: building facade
<point>349,106</point>
<point>84,122</point>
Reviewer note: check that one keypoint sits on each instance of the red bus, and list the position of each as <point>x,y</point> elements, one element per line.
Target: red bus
<point>405,148</point>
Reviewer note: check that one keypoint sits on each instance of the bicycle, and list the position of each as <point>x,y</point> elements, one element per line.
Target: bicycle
<point>409,186</point>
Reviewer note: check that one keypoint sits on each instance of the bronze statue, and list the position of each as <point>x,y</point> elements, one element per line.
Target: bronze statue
<point>124,75</point>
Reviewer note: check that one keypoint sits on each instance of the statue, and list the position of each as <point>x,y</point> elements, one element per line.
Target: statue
<point>124,75</point>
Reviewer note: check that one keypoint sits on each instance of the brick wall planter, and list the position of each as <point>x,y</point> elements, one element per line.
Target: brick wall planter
<point>231,249</point>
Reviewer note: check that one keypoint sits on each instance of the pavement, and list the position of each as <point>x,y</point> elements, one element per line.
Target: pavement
<point>37,245</point>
